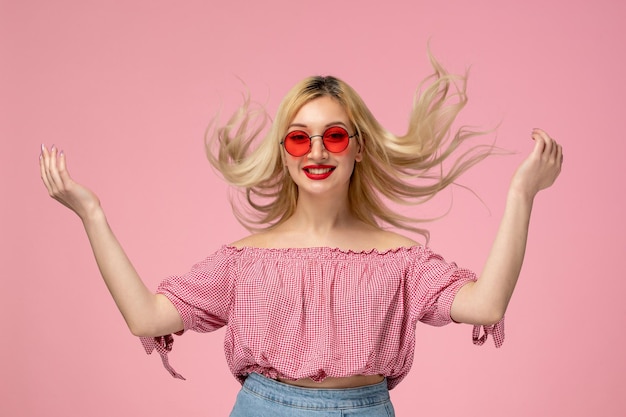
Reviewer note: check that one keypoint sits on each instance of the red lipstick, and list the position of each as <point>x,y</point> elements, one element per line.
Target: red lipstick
<point>318,172</point>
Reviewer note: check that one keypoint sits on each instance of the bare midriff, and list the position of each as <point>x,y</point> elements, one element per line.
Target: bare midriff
<point>354,381</point>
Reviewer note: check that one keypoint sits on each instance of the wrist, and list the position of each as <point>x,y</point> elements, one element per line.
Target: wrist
<point>519,192</point>
<point>93,215</point>
<point>520,196</point>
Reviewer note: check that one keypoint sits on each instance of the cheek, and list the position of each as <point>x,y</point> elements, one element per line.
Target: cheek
<point>291,164</point>
<point>356,152</point>
<point>287,159</point>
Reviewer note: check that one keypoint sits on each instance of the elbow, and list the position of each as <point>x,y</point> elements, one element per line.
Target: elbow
<point>140,330</point>
<point>475,308</point>
<point>144,333</point>
<point>153,329</point>
<point>137,331</point>
<point>491,317</point>
<point>492,321</point>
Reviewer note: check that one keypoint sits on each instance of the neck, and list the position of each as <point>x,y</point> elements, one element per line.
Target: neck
<point>321,216</point>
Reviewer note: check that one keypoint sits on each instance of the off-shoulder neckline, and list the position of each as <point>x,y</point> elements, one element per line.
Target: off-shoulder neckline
<point>323,249</point>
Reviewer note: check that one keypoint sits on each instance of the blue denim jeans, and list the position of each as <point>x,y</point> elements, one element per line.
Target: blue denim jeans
<point>261,397</point>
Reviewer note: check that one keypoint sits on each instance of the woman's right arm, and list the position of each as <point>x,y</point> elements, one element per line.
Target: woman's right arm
<point>146,314</point>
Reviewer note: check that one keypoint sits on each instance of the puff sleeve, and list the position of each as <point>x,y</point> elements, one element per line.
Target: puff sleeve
<point>202,297</point>
<point>435,284</point>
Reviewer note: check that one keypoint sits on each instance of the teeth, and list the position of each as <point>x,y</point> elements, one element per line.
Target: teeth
<point>319,171</point>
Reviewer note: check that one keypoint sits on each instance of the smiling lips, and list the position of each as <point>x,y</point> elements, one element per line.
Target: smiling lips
<point>318,172</point>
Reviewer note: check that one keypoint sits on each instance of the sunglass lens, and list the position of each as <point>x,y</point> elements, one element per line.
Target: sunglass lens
<point>336,139</point>
<point>297,143</point>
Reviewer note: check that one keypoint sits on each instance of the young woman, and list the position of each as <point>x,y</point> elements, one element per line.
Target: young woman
<point>321,302</point>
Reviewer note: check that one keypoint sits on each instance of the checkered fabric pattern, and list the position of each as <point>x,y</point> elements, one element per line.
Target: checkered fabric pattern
<point>317,312</point>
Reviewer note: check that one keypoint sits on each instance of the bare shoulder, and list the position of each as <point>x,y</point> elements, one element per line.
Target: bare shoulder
<point>385,239</point>
<point>265,239</point>
<point>251,240</point>
<point>372,237</point>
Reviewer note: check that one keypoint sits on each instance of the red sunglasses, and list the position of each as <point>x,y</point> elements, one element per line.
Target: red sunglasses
<point>335,139</point>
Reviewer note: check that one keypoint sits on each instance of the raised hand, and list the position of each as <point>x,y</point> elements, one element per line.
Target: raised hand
<point>485,302</point>
<point>541,168</point>
<point>145,313</point>
<point>62,187</point>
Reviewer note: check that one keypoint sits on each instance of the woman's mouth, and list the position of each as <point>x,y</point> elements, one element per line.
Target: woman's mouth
<point>318,172</point>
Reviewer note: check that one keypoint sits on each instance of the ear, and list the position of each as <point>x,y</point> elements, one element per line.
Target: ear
<point>358,157</point>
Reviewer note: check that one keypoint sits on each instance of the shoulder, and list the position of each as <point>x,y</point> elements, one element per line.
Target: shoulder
<point>254,240</point>
<point>265,239</point>
<point>366,237</point>
<point>384,239</point>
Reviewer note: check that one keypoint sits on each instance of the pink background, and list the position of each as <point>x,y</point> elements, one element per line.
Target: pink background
<point>126,88</point>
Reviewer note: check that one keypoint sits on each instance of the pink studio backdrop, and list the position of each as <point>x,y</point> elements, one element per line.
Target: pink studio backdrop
<point>127,88</point>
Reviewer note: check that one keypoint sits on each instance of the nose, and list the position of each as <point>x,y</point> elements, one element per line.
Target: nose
<point>317,151</point>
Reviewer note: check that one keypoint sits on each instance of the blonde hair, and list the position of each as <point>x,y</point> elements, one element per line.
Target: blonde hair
<point>406,169</point>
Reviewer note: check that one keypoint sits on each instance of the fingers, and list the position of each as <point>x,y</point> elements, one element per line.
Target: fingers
<point>49,157</point>
<point>53,170</point>
<point>542,141</point>
<point>62,167</point>
<point>62,187</point>
<point>547,146</point>
<point>44,167</point>
<point>61,174</point>
<point>540,144</point>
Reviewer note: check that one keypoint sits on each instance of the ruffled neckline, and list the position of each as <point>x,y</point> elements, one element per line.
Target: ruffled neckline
<point>321,251</point>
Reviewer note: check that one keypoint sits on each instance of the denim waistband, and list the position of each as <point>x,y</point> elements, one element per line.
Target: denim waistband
<point>316,398</point>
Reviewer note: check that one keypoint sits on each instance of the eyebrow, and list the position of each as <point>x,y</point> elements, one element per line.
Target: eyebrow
<point>327,125</point>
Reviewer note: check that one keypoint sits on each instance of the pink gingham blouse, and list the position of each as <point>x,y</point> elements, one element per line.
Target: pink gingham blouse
<point>317,312</point>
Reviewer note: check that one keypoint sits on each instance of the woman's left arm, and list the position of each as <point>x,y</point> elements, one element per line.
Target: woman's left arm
<point>485,301</point>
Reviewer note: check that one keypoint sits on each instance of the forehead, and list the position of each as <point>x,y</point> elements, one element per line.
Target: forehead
<point>321,111</point>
